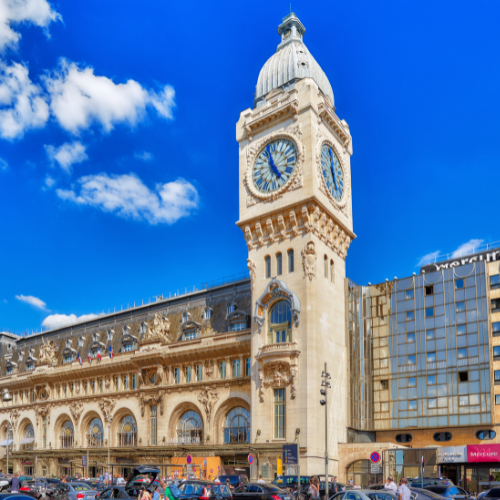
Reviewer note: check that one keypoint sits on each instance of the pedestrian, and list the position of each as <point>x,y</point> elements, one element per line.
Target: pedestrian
<point>313,489</point>
<point>403,491</point>
<point>217,480</point>
<point>334,486</point>
<point>228,484</point>
<point>14,487</point>
<point>261,481</point>
<point>351,482</point>
<point>156,495</point>
<point>390,484</point>
<point>119,480</point>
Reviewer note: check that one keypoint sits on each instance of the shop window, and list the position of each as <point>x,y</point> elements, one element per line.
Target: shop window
<point>459,284</point>
<point>486,434</point>
<point>440,437</point>
<point>409,294</point>
<point>429,290</point>
<point>463,376</point>
<point>404,438</point>
<point>495,281</point>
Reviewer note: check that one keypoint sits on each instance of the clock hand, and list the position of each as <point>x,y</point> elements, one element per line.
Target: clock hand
<point>271,161</point>
<point>333,169</point>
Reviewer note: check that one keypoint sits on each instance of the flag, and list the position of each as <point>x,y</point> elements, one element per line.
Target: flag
<point>111,352</point>
<point>99,354</point>
<point>90,358</point>
<point>423,462</point>
<point>80,359</point>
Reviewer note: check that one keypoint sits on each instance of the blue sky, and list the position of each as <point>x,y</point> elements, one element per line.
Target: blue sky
<point>132,190</point>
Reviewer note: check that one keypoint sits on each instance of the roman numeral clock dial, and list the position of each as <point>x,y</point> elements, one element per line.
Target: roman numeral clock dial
<point>274,165</point>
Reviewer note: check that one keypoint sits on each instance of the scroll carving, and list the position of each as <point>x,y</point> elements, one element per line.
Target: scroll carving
<point>208,397</point>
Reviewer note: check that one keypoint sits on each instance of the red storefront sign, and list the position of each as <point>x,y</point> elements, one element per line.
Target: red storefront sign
<point>483,453</point>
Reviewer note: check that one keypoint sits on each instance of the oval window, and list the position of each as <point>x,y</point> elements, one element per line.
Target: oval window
<point>404,438</point>
<point>486,434</point>
<point>442,436</point>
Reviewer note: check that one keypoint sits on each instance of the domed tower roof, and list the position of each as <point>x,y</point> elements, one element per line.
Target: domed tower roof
<point>292,62</point>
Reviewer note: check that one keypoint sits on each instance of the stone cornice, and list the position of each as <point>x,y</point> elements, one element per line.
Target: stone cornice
<point>327,115</point>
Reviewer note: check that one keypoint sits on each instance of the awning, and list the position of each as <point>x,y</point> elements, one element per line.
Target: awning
<point>6,442</point>
<point>26,440</point>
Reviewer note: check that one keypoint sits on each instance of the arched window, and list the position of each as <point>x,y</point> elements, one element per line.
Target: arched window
<point>332,272</point>
<point>67,435</point>
<point>127,436</point>
<point>290,261</point>
<point>190,428</point>
<point>442,436</point>
<point>237,426</point>
<point>230,308</point>
<point>185,317</point>
<point>267,261</point>
<point>404,438</point>
<point>280,323</point>
<point>96,434</point>
<point>29,438</point>
<point>325,260</point>
<point>279,264</point>
<point>207,313</point>
<point>487,434</point>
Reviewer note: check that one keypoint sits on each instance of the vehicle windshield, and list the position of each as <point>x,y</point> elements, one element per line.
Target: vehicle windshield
<point>81,487</point>
<point>494,493</point>
<point>288,480</point>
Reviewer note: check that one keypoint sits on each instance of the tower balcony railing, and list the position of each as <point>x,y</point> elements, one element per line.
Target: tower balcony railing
<point>127,439</point>
<point>95,441</point>
<point>67,441</point>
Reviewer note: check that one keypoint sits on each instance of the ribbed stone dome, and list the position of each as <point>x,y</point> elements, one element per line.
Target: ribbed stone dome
<point>292,61</point>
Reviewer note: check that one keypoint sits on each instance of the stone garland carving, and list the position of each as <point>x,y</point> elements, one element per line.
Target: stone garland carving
<point>309,219</point>
<point>158,330</point>
<point>161,375</point>
<point>252,270</point>
<point>293,134</point>
<point>277,374</point>
<point>41,412</point>
<point>107,382</point>
<point>14,419</point>
<point>107,405</point>
<point>47,352</point>
<point>208,397</point>
<point>76,410</point>
<point>309,260</point>
<point>209,368</point>
<point>151,399</point>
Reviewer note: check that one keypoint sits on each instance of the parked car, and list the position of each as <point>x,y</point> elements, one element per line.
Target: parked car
<point>96,484</point>
<point>4,483</point>
<point>290,482</point>
<point>14,496</point>
<point>201,490</point>
<point>493,493</point>
<point>430,481</point>
<point>141,478</point>
<point>259,491</point>
<point>482,494</point>
<point>364,495</point>
<point>235,480</point>
<point>450,492</point>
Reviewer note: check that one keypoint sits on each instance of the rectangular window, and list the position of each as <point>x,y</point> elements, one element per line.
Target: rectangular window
<point>495,304</point>
<point>153,425</point>
<point>410,315</point>
<point>412,359</point>
<point>101,385</point>
<point>268,266</point>
<point>199,373</point>
<point>412,405</point>
<point>279,264</point>
<point>279,413</point>
<point>247,367</point>
<point>223,365</point>
<point>497,375</point>
<point>93,386</point>
<point>463,376</point>
<point>462,353</point>
<point>429,312</point>
<point>290,261</point>
<point>496,351</point>
<point>429,290</point>
<point>9,370</point>
<point>495,281</point>
<point>431,379</point>
<point>384,406</point>
<point>384,384</point>
<point>86,388</point>
<point>125,382</point>
<point>190,335</point>
<point>58,393</point>
<point>412,382</point>
<point>177,376</point>
<point>236,368</point>
<point>410,337</point>
<point>72,390</point>
<point>460,306</point>
<point>459,284</point>
<point>44,433</point>
<point>431,357</point>
<point>429,335</point>
<point>409,294</point>
<point>187,372</point>
<point>461,329</point>
<point>496,327</point>
<point>117,384</point>
<point>432,403</point>
<point>497,399</point>
<point>238,326</point>
<point>463,401</point>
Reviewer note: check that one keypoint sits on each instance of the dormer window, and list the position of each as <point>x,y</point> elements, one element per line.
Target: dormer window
<point>95,337</point>
<point>68,343</point>
<point>81,341</point>
<point>68,358</point>
<point>185,317</point>
<point>190,334</point>
<point>109,334</point>
<point>207,313</point>
<point>30,367</point>
<point>128,346</point>
<point>143,328</point>
<point>230,308</point>
<point>9,370</point>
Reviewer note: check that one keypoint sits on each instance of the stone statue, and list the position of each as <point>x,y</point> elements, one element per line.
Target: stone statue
<point>48,352</point>
<point>159,330</point>
<point>208,397</point>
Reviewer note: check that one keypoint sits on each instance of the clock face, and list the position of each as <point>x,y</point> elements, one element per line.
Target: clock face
<point>274,165</point>
<point>332,172</point>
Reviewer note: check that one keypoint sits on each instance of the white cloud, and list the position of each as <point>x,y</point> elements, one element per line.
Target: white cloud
<point>127,196</point>
<point>22,106</point>
<point>144,156</point>
<point>59,320</point>
<point>466,248</point>
<point>34,301</point>
<point>427,259</point>
<point>79,98</point>
<point>49,182</point>
<point>3,164</point>
<point>38,12</point>
<point>67,155</point>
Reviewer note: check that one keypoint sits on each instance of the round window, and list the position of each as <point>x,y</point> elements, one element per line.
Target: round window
<point>404,438</point>
<point>486,434</point>
<point>442,436</point>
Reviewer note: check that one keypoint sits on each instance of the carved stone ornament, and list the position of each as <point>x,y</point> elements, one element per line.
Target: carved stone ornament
<point>208,397</point>
<point>107,382</point>
<point>14,419</point>
<point>293,134</point>
<point>43,392</point>
<point>107,405</point>
<point>252,270</point>
<point>277,374</point>
<point>76,410</point>
<point>47,352</point>
<point>41,412</point>
<point>309,258</point>
<point>151,399</point>
<point>342,204</point>
<point>209,368</point>
<point>158,329</point>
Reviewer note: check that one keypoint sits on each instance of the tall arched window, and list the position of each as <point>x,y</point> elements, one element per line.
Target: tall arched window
<point>332,272</point>
<point>67,435</point>
<point>128,432</point>
<point>290,261</point>
<point>279,264</point>
<point>326,266</point>
<point>237,426</point>
<point>280,323</point>
<point>190,428</point>
<point>267,261</point>
<point>96,434</point>
<point>29,438</point>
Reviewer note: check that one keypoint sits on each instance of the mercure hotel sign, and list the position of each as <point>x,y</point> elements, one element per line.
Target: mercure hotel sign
<point>488,256</point>
<point>468,454</point>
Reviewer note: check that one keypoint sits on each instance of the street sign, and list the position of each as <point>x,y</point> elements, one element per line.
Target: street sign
<point>375,469</point>
<point>84,461</point>
<point>250,459</point>
<point>189,459</point>
<point>290,454</point>
<point>375,457</point>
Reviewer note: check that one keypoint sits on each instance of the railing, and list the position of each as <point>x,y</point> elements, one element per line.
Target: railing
<point>127,438</point>
<point>67,441</point>
<point>468,361</point>
<point>282,346</point>
<point>95,441</point>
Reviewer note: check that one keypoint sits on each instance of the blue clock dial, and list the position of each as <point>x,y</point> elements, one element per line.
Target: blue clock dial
<point>274,165</point>
<point>332,172</point>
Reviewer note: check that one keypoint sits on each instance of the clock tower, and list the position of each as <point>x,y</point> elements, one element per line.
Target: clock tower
<point>296,215</point>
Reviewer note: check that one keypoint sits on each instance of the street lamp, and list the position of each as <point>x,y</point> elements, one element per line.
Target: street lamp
<point>109,435</point>
<point>6,397</point>
<point>325,385</point>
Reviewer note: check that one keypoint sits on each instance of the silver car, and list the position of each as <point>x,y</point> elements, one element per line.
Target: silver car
<point>365,495</point>
<point>77,491</point>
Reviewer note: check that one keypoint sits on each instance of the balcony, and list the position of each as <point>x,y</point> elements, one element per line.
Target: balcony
<point>127,439</point>
<point>67,441</point>
<point>95,441</point>
<point>282,351</point>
